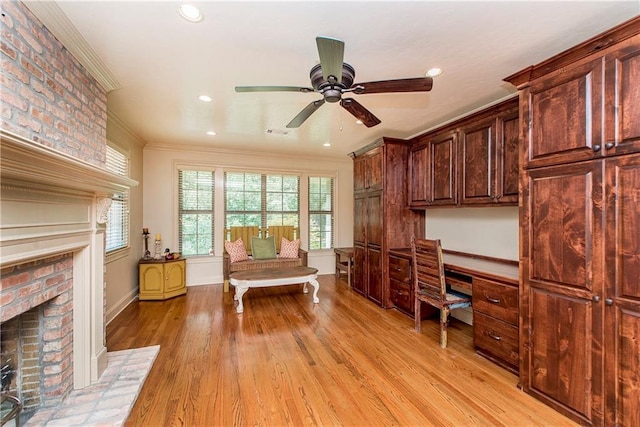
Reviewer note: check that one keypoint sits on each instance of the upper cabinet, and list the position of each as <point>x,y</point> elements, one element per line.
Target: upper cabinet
<point>584,111</point>
<point>473,161</point>
<point>367,171</point>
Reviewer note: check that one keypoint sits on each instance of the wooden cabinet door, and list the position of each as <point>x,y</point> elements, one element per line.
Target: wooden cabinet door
<point>360,219</point>
<point>151,278</point>
<point>359,269</point>
<point>375,168</point>
<point>507,157</point>
<point>443,170</point>
<point>374,219</point>
<point>563,112</point>
<point>562,288</point>
<point>477,162</point>
<point>622,295</point>
<point>359,174</point>
<point>622,98</point>
<point>374,275</point>
<point>174,276</point>
<point>418,173</point>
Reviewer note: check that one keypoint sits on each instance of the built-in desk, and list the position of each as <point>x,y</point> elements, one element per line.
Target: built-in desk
<point>493,284</point>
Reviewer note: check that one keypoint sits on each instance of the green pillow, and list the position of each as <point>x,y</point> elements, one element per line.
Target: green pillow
<point>263,248</point>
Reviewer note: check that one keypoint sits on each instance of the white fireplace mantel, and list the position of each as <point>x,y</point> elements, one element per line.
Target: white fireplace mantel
<point>52,203</point>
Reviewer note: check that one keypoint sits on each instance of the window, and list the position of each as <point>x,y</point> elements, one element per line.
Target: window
<point>195,212</point>
<point>261,200</point>
<point>320,212</point>
<point>117,233</point>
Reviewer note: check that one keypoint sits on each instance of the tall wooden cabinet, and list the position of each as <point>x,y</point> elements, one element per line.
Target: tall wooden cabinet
<point>382,218</point>
<point>580,229</point>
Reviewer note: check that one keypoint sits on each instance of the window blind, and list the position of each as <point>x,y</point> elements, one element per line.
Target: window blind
<point>117,231</point>
<point>321,212</point>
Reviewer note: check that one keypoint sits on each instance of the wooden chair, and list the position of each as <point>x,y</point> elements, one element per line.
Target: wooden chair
<point>430,285</point>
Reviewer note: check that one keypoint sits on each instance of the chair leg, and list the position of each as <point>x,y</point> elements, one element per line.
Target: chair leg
<point>417,314</point>
<point>444,315</point>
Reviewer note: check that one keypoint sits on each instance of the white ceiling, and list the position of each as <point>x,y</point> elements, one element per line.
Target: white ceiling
<point>161,63</point>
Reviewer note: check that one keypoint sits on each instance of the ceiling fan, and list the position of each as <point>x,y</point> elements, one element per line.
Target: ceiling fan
<point>332,77</point>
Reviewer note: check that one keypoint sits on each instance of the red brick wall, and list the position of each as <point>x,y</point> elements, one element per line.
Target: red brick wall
<point>44,289</point>
<point>47,96</point>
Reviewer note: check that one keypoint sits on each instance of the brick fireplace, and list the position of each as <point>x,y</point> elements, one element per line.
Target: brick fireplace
<point>53,210</point>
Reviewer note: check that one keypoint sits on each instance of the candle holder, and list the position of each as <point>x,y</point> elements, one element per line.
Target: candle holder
<point>158,249</point>
<point>147,253</point>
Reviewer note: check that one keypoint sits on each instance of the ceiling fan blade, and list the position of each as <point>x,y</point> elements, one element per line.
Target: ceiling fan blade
<point>273,89</point>
<point>331,53</point>
<point>359,112</point>
<point>419,84</point>
<point>305,113</point>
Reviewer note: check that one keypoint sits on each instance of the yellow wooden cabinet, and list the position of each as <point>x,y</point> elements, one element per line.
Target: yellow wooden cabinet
<point>160,279</point>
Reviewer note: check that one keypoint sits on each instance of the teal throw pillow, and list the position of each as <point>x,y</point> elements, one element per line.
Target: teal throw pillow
<point>263,248</point>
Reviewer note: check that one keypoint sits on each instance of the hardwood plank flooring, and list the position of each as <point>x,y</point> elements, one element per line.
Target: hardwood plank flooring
<point>287,361</point>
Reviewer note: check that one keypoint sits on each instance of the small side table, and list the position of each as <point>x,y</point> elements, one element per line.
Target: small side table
<point>344,262</point>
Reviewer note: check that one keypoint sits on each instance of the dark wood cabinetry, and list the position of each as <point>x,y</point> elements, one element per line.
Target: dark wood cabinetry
<point>495,321</point>
<point>473,161</point>
<point>401,293</point>
<point>580,222</point>
<point>381,215</point>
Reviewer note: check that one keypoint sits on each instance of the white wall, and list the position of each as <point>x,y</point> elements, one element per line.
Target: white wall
<point>160,199</point>
<point>121,275</point>
<point>485,231</point>
<point>489,231</point>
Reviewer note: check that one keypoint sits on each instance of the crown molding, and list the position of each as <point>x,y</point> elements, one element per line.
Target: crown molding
<point>52,17</point>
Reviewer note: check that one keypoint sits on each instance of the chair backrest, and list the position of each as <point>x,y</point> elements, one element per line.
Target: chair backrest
<point>428,269</point>
<point>245,233</point>
<point>289,232</point>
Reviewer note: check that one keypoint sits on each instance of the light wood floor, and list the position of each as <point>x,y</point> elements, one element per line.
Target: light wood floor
<point>286,361</point>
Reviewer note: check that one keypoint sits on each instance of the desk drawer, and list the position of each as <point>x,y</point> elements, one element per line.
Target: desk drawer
<point>401,296</point>
<point>495,299</point>
<point>399,269</point>
<point>496,337</point>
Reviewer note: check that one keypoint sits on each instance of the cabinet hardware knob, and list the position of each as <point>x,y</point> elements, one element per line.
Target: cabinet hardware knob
<point>492,300</point>
<point>596,147</point>
<point>608,301</point>
<point>609,145</point>
<point>595,298</point>
<point>494,336</point>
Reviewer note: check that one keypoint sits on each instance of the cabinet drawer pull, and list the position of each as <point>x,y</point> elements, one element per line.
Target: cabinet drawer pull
<point>596,148</point>
<point>609,145</point>
<point>492,300</point>
<point>494,336</point>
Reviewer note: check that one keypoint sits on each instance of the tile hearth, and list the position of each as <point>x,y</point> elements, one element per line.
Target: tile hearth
<point>107,402</point>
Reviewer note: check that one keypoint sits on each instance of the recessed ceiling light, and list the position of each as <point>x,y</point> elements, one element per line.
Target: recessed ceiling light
<point>326,144</point>
<point>212,133</point>
<point>434,72</point>
<point>358,122</point>
<point>205,98</point>
<point>190,13</point>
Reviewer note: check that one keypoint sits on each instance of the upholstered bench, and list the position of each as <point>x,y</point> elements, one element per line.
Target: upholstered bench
<point>250,261</point>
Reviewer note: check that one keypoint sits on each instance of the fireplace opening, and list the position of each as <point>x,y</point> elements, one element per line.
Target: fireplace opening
<point>36,345</point>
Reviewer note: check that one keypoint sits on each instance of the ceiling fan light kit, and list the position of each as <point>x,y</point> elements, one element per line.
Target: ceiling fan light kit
<point>333,77</point>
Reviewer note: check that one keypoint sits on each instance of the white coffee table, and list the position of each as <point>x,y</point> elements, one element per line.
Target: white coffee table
<point>243,280</point>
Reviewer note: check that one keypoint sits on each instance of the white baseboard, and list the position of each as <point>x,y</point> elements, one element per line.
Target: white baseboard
<point>121,304</point>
